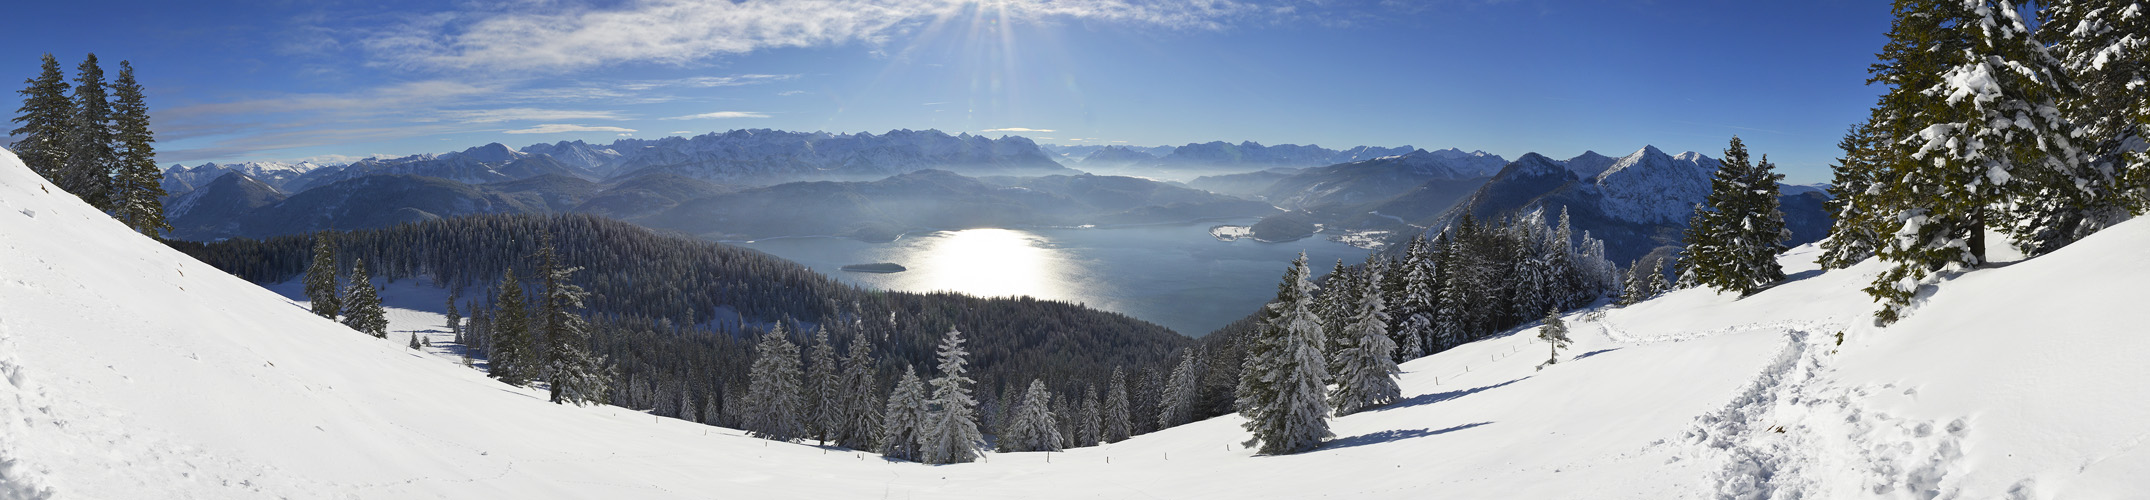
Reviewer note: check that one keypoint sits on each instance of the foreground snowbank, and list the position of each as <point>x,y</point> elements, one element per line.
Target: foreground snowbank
<point>132,371</point>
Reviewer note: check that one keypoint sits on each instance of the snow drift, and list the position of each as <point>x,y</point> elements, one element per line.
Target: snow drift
<point>128,370</point>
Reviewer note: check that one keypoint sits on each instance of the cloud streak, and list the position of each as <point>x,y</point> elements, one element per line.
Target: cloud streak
<point>720,115</point>
<point>681,31</point>
<point>1017,129</point>
<point>556,128</point>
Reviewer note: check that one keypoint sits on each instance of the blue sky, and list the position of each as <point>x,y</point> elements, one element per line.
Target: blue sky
<point>282,80</point>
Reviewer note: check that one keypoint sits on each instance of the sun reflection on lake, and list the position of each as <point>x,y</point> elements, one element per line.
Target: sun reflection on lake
<point>991,263</point>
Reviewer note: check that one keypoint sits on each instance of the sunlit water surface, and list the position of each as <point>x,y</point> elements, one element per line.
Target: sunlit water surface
<point>1174,274</point>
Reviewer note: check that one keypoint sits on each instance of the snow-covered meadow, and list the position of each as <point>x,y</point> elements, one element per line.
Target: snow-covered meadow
<point>133,371</point>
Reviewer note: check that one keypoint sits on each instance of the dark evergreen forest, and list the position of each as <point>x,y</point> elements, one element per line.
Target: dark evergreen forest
<point>677,317</point>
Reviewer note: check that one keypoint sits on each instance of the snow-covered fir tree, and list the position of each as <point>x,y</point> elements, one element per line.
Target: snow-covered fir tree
<point>137,185</point>
<point>2104,45</point>
<point>1117,420</point>
<point>861,405</point>
<point>1449,321</point>
<point>775,407</point>
<point>1857,228</point>
<point>824,414</point>
<point>1365,367</point>
<point>321,278</point>
<point>1555,334</point>
<point>1982,145</point>
<point>362,304</point>
<point>509,343</point>
<point>1176,406</point>
<point>950,434</point>
<point>903,422</point>
<point>44,117</point>
<point>1415,314</point>
<point>1283,385</point>
<point>576,375</point>
<point>1034,427</point>
<point>1733,239</point>
<point>1090,428</point>
<point>88,171</point>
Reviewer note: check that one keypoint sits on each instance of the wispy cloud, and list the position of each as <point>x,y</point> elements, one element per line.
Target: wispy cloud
<point>721,115</point>
<point>529,114</point>
<point>682,132</point>
<point>789,93</point>
<point>681,31</point>
<point>555,128</point>
<point>1017,129</point>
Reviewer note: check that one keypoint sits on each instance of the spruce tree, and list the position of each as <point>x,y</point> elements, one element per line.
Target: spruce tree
<point>861,407</point>
<point>1176,405</point>
<point>951,430</point>
<point>1365,367</point>
<point>903,424</point>
<point>1973,98</point>
<point>45,115</point>
<point>1733,239</point>
<point>455,319</point>
<point>137,185</point>
<point>2104,45</point>
<point>1416,311</point>
<point>508,349</point>
<point>823,395</point>
<point>1449,322</point>
<point>1555,334</point>
<point>1034,427</point>
<point>362,304</point>
<point>88,171</point>
<point>1091,428</point>
<point>775,408</point>
<point>1282,388</point>
<point>1857,228</point>
<point>414,345</point>
<point>576,375</point>
<point>321,278</point>
<point>1117,419</point>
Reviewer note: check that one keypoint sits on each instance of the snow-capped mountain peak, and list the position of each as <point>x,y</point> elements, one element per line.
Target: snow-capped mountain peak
<point>1649,186</point>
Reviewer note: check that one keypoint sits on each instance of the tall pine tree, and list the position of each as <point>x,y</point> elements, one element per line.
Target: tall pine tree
<point>45,115</point>
<point>508,349</point>
<point>576,375</point>
<point>1118,423</point>
<point>824,413</point>
<point>1857,230</point>
<point>861,407</point>
<point>951,428</point>
<point>775,407</point>
<point>1283,386</point>
<point>1733,239</point>
<point>88,170</point>
<point>2105,47</point>
<point>903,426</point>
<point>1555,334</point>
<point>321,277</point>
<point>137,185</point>
<point>1365,367</point>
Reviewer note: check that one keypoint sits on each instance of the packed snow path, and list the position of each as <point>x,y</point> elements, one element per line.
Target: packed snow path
<point>128,370</point>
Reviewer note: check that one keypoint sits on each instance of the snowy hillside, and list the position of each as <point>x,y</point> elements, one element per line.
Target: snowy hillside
<point>128,370</point>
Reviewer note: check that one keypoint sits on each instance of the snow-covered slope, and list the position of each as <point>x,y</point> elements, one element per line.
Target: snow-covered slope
<point>128,370</point>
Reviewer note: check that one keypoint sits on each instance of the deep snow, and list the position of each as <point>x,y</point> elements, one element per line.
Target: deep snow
<point>133,371</point>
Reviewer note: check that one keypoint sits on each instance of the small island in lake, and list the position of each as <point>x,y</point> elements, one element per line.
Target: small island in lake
<point>878,267</point>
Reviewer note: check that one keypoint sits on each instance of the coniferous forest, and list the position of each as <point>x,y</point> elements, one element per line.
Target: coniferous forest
<point>679,318</point>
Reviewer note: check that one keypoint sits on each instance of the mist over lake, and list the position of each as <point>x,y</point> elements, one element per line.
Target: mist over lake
<point>1175,275</point>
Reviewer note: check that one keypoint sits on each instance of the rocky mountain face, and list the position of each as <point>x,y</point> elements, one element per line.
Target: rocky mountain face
<point>179,179</point>
<point>766,157</point>
<point>215,208</point>
<point>1639,204</point>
